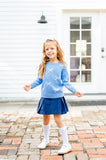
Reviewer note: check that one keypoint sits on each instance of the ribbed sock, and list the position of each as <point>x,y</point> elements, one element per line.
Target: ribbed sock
<point>46,131</point>
<point>63,132</point>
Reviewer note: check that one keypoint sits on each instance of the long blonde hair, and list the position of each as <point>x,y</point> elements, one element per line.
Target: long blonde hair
<point>45,59</point>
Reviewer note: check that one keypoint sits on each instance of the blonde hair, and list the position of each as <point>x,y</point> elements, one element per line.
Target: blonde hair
<point>45,59</point>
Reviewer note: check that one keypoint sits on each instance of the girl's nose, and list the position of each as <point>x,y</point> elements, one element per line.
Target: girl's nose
<point>49,50</point>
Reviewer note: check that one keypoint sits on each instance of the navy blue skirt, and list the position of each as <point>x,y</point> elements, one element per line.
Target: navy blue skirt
<point>49,106</point>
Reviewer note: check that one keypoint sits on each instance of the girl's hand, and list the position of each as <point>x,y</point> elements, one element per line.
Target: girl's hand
<point>27,87</point>
<point>78,94</point>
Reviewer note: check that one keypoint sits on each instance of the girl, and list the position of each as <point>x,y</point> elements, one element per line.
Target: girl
<point>53,76</point>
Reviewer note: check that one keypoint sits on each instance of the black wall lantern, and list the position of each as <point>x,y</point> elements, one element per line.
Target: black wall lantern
<point>42,19</point>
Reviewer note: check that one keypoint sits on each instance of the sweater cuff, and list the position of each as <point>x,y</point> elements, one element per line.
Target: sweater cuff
<point>32,86</point>
<point>74,91</point>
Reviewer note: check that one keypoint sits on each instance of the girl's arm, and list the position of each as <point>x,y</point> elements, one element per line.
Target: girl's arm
<point>66,83</point>
<point>36,83</point>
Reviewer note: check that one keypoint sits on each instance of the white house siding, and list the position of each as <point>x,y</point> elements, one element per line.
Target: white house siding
<point>21,45</point>
<point>21,40</point>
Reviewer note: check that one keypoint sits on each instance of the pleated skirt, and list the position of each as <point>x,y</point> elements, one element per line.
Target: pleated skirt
<point>49,106</point>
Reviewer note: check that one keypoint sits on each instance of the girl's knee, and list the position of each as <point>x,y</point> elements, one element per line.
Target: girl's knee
<point>46,119</point>
<point>58,121</point>
<point>57,118</point>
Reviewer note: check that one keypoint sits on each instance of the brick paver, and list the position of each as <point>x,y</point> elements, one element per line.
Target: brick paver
<point>82,156</point>
<point>21,132</point>
<point>69,157</point>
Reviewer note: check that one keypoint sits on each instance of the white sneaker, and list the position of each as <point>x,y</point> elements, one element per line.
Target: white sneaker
<point>43,144</point>
<point>65,149</point>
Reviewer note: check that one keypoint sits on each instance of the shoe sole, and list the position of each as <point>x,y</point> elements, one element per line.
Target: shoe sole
<point>65,152</point>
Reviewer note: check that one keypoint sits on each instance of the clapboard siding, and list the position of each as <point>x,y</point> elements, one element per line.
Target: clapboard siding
<point>21,40</point>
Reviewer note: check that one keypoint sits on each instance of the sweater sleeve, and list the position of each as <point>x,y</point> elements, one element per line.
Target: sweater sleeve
<point>65,80</point>
<point>36,83</point>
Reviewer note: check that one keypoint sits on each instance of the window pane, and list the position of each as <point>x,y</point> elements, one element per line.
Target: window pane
<point>86,51</point>
<point>73,50</point>
<point>74,35</point>
<point>80,47</point>
<point>74,76</point>
<point>74,23</point>
<point>74,63</point>
<point>86,76</point>
<point>86,63</point>
<point>86,23</point>
<point>86,35</point>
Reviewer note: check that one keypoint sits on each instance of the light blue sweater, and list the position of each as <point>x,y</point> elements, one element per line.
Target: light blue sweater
<point>55,77</point>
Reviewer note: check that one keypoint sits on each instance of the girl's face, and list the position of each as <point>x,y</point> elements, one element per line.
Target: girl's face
<point>51,51</point>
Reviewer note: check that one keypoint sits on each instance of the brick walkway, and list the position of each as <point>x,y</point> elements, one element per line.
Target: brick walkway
<point>21,132</point>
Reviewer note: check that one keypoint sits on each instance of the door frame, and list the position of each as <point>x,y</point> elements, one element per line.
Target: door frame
<point>86,87</point>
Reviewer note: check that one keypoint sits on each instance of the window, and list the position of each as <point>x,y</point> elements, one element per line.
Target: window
<point>80,49</point>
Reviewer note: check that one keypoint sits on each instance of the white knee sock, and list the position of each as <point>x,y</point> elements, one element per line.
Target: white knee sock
<point>46,131</point>
<point>63,132</point>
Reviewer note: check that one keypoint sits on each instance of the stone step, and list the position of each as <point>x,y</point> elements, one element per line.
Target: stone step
<point>85,100</point>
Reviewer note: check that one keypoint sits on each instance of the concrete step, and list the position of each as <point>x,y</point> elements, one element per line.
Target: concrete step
<point>85,100</point>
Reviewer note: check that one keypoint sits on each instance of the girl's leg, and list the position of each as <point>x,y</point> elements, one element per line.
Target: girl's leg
<point>58,120</point>
<point>46,126</point>
<point>62,128</point>
<point>63,131</point>
<point>46,119</point>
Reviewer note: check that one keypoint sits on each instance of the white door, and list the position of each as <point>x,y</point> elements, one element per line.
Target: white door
<point>81,41</point>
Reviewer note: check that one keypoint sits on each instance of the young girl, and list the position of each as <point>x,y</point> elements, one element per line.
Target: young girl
<point>53,76</point>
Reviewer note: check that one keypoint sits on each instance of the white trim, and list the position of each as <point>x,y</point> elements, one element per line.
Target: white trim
<point>94,86</point>
<point>83,10</point>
